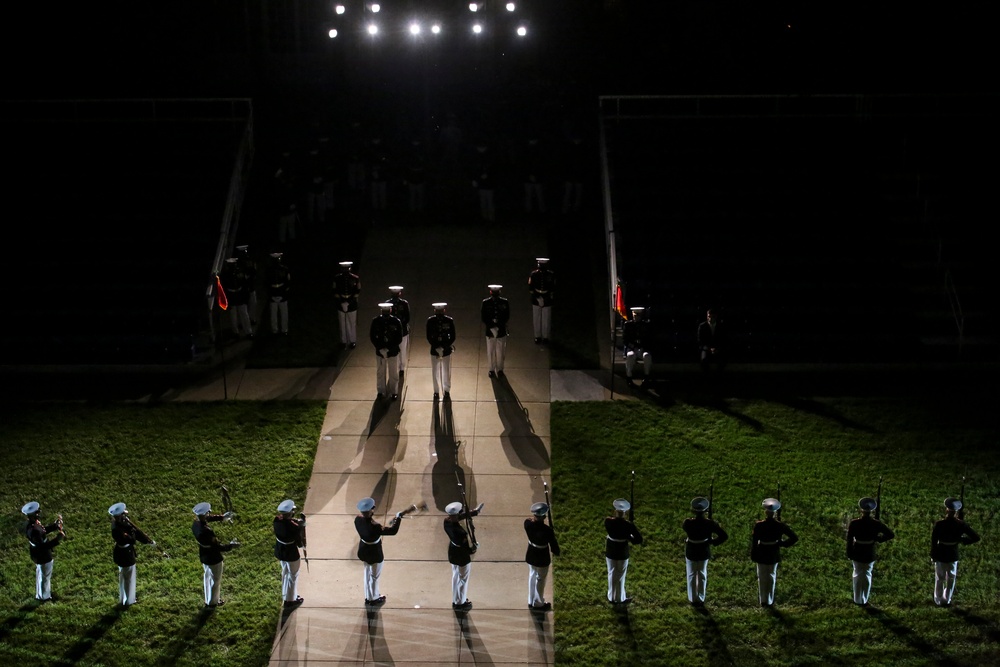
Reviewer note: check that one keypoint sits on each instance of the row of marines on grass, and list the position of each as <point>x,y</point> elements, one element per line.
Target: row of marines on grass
<point>768,537</point>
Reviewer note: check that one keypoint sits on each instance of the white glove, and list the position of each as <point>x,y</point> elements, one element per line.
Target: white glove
<point>440,351</point>
<point>344,306</point>
<point>384,352</point>
<point>495,331</point>
<point>480,507</point>
<point>399,516</point>
<point>227,516</point>
<point>541,302</point>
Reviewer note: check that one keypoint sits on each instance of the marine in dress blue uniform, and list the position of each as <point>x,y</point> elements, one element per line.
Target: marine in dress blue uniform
<point>210,551</point>
<point>946,535</point>
<point>621,535</point>
<point>370,547</point>
<point>346,288</point>
<point>460,550</point>
<point>542,285</point>
<point>768,537</point>
<point>125,535</point>
<point>495,314</point>
<point>863,534</point>
<point>542,544</point>
<point>42,540</point>
<point>441,337</point>
<point>702,534</point>
<point>287,540</point>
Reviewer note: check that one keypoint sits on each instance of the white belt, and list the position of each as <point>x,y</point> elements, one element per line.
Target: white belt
<point>690,541</point>
<point>459,545</point>
<point>375,542</point>
<point>948,544</point>
<point>614,540</point>
<point>538,546</point>
<point>864,541</point>
<point>33,544</point>
<point>288,543</point>
<point>542,291</point>
<point>766,544</point>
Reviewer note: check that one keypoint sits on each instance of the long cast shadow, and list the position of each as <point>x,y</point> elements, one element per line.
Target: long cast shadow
<point>376,639</point>
<point>985,626</point>
<point>77,651</point>
<point>447,471</point>
<point>821,410</point>
<point>22,614</point>
<point>715,642</point>
<point>473,640</point>
<point>185,637</point>
<point>523,448</point>
<point>543,631</point>
<point>924,648</point>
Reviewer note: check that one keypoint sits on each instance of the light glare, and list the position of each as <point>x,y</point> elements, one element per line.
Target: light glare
<point>340,9</point>
<point>522,31</point>
<point>476,28</point>
<point>510,6</point>
<point>372,29</point>
<point>414,28</point>
<point>473,7</point>
<point>376,8</point>
<point>436,29</point>
<point>332,33</point>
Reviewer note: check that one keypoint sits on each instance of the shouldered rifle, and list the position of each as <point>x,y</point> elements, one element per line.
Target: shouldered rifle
<point>961,499</point>
<point>304,541</point>
<point>878,500</point>
<point>711,499</point>
<point>470,527</point>
<point>227,502</point>
<point>548,502</point>
<point>777,514</point>
<point>631,499</point>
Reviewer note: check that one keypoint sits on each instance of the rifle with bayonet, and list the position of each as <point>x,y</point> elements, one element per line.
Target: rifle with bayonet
<point>777,514</point>
<point>878,500</point>
<point>711,498</point>
<point>548,502</point>
<point>961,499</point>
<point>631,499</point>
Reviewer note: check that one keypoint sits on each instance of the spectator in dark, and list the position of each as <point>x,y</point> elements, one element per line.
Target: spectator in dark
<point>712,341</point>
<point>636,338</point>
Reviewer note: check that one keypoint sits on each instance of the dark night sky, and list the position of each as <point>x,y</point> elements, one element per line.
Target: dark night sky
<point>213,47</point>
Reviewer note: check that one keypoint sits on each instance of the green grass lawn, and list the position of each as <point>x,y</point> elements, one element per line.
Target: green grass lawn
<point>161,460</point>
<point>826,454</point>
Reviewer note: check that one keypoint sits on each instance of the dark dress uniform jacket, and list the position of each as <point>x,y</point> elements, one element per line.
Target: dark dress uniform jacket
<point>948,533</point>
<point>441,333</point>
<point>541,282</point>
<point>622,534</point>
<point>347,286</point>
<point>459,549</point>
<point>401,309</point>
<point>495,312</point>
<point>766,541</point>
<point>386,332</point>
<point>287,537</point>
<point>125,537</point>
<point>702,535</point>
<point>862,536</point>
<point>210,550</point>
<point>278,279</point>
<point>636,335</point>
<point>39,548</point>
<point>371,532</point>
<point>541,538</point>
<point>709,338</point>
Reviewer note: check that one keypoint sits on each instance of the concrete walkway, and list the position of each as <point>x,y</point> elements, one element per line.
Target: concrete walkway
<point>493,434</point>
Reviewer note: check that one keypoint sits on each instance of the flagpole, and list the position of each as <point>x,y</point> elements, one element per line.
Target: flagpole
<point>221,303</point>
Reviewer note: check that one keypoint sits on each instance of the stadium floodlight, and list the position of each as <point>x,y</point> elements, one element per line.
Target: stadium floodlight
<point>414,29</point>
<point>339,9</point>
<point>376,8</point>
<point>521,31</point>
<point>473,6</point>
<point>436,28</point>
<point>477,28</point>
<point>332,33</point>
<point>510,6</point>
<point>372,29</point>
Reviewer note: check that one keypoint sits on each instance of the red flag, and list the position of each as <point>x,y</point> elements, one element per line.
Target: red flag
<point>220,294</point>
<point>620,302</point>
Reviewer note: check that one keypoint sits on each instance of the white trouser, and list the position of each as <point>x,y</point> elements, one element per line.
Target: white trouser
<point>536,584</point>
<point>496,350</point>
<point>348,326</point>
<point>43,581</point>
<point>441,372</point>
<point>862,581</point>
<point>387,366</point>
<point>126,585</point>
<point>767,577</point>
<point>534,192</point>
<point>541,317</point>
<point>279,315</point>
<point>212,582</point>
<point>944,581</point>
<point>460,583</point>
<point>697,579</point>
<point>290,580</point>
<point>617,569</point>
<point>630,359</point>
<point>372,573</point>
<point>404,352</point>
<point>240,319</point>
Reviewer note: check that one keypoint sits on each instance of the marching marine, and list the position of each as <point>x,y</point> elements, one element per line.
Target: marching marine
<point>441,336</point>
<point>125,534</point>
<point>210,552</point>
<point>768,537</point>
<point>495,313</point>
<point>278,281</point>
<point>460,550</point>
<point>702,534</point>
<point>370,547</point>
<point>636,337</point>
<point>542,284</point>
<point>288,534</point>
<point>947,534</point>
<point>386,335</point>
<point>541,540</point>
<point>346,288</point>
<point>621,535</point>
<point>42,540</point>
<point>401,310</point>
<point>863,534</point>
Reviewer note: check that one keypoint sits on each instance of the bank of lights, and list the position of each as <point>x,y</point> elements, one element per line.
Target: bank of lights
<point>415,28</point>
